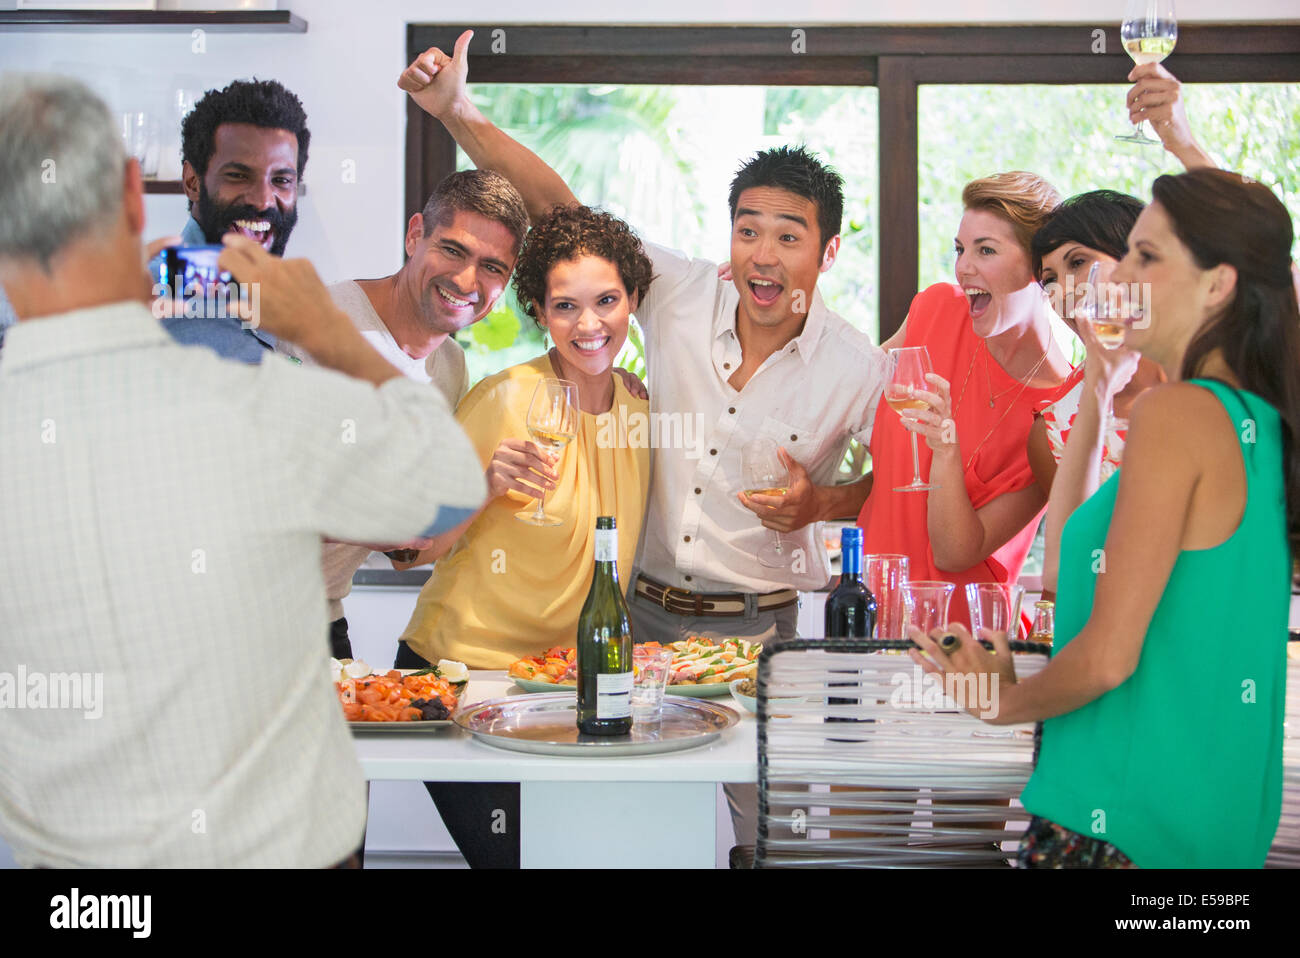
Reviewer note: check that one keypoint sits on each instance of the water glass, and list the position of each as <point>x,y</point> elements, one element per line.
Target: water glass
<point>651,668</point>
<point>885,577</point>
<point>995,606</point>
<point>926,604</point>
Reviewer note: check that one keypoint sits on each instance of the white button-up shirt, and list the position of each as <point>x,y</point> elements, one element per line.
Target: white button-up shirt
<point>811,397</point>
<point>160,519</point>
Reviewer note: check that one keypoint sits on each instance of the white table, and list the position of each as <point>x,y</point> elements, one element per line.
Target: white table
<point>651,811</point>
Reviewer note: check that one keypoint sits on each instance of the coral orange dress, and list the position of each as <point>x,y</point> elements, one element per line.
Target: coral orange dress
<point>992,438</point>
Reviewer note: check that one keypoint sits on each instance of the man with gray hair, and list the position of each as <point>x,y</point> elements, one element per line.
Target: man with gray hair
<point>181,499</point>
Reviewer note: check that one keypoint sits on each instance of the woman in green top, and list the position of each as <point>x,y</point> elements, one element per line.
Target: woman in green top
<point>1162,745</point>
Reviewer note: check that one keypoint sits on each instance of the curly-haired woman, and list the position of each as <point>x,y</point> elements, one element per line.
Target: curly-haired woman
<point>506,589</point>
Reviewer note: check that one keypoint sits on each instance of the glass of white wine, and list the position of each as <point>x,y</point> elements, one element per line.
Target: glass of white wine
<point>552,425</point>
<point>1149,32</point>
<point>766,475</point>
<point>910,366</point>
<point>1101,309</point>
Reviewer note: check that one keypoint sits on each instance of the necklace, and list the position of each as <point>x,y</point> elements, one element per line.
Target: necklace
<point>988,376</point>
<point>1023,383</point>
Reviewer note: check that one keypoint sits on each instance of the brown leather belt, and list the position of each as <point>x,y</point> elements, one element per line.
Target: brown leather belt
<point>713,604</point>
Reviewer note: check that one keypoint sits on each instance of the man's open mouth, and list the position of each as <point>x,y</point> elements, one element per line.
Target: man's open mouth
<point>259,231</point>
<point>765,291</point>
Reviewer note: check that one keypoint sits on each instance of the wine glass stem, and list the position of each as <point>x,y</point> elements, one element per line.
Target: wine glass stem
<point>540,513</point>
<point>780,546</point>
<point>916,463</point>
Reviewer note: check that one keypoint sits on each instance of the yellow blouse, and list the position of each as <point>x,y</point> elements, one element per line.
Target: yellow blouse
<point>509,589</point>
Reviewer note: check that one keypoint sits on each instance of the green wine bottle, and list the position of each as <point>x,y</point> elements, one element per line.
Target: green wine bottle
<point>605,645</point>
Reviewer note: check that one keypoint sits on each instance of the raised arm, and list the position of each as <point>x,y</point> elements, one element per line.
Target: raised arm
<point>1158,96</point>
<point>1106,373</point>
<point>436,82</point>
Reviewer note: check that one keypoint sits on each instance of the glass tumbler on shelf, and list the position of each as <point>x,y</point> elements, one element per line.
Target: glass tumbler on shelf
<point>140,138</point>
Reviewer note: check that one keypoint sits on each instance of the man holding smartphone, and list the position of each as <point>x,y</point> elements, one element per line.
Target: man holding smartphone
<point>244,150</point>
<point>195,491</point>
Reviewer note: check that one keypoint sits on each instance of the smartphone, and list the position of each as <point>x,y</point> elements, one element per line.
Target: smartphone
<point>193,271</point>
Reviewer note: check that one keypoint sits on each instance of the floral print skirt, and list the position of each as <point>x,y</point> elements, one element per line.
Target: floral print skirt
<point>1048,845</point>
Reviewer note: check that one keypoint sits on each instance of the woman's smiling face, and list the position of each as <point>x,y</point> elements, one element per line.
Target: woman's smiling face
<point>1065,271</point>
<point>586,312</point>
<point>994,272</point>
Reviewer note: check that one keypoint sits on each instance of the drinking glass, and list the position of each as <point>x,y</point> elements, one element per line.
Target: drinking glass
<point>925,603</point>
<point>651,668</point>
<point>1149,32</point>
<point>552,424</point>
<point>766,474</point>
<point>885,577</point>
<point>995,606</point>
<point>140,137</point>
<point>1101,308</point>
<point>910,365</point>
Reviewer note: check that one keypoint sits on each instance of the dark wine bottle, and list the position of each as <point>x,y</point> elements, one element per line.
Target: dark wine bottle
<point>604,645</point>
<point>850,608</point>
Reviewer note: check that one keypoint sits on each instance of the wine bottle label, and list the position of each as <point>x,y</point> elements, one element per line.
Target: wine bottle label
<point>606,545</point>
<point>613,695</point>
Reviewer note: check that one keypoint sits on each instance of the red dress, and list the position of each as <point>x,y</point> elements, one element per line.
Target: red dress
<point>895,522</point>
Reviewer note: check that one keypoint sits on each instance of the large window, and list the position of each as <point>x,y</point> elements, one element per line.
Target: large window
<point>662,157</point>
<point>1067,135</point>
<point>919,110</point>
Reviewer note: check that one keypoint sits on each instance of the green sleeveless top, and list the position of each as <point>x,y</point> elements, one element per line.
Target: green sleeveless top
<point>1181,765</point>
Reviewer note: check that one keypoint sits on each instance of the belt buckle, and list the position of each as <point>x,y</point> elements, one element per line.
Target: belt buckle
<point>663,599</point>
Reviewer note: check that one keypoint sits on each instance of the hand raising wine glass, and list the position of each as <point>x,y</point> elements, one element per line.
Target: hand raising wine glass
<point>910,366</point>
<point>766,474</point>
<point>1149,32</point>
<point>1101,310</point>
<point>552,424</point>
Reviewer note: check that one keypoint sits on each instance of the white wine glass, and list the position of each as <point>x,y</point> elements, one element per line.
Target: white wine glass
<point>765,474</point>
<point>552,425</point>
<point>1101,309</point>
<point>910,364</point>
<point>1149,32</point>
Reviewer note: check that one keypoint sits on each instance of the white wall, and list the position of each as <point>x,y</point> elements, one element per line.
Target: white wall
<point>345,68</point>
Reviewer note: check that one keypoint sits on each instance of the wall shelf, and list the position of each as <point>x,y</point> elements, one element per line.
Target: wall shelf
<point>174,188</point>
<point>167,187</point>
<point>154,21</point>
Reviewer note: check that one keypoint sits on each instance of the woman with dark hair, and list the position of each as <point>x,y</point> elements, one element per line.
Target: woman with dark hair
<point>1086,230</point>
<point>1164,700</point>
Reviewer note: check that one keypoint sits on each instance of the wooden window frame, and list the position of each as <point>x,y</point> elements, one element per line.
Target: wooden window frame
<point>896,60</point>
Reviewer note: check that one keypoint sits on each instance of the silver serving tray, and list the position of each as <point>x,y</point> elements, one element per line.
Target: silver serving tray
<point>547,724</point>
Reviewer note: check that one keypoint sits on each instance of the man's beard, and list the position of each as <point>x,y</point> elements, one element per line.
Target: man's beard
<point>217,220</point>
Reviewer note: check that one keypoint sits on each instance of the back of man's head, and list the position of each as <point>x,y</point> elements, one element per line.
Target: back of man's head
<point>61,166</point>
<point>796,170</point>
<point>484,192</point>
<point>263,103</point>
